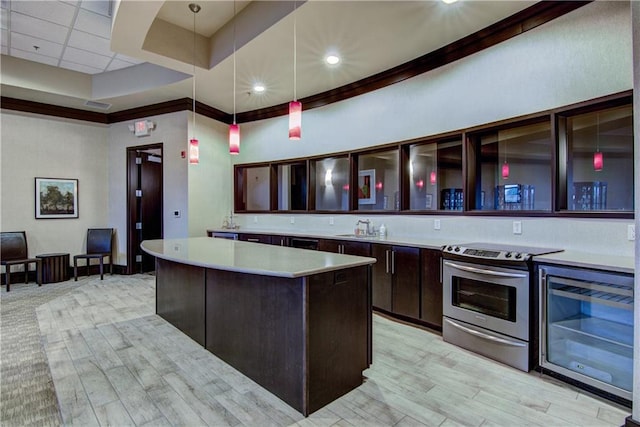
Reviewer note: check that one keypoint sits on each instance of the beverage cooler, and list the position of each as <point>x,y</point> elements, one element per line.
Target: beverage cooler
<point>586,331</point>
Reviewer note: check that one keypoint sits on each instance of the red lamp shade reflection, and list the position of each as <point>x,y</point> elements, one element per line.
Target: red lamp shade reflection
<point>345,187</point>
<point>234,139</point>
<point>598,161</point>
<point>194,152</point>
<point>420,183</point>
<point>505,170</point>
<point>295,120</point>
<point>432,178</point>
<point>379,185</point>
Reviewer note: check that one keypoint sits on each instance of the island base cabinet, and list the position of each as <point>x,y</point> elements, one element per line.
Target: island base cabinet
<point>180,297</point>
<point>304,339</point>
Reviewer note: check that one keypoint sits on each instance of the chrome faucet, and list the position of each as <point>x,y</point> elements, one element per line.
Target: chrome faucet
<point>367,223</point>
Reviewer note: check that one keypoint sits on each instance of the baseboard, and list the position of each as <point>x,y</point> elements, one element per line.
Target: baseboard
<point>630,422</point>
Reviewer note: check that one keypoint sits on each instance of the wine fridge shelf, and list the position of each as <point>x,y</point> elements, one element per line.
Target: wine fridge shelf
<point>614,295</point>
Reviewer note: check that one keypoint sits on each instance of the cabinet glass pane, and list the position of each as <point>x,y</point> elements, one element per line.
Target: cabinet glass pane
<point>600,169</point>
<point>378,181</point>
<point>332,184</point>
<point>292,187</point>
<point>255,195</point>
<point>435,176</point>
<point>515,169</point>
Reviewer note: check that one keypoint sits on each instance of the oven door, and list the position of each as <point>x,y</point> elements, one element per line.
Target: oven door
<point>493,298</point>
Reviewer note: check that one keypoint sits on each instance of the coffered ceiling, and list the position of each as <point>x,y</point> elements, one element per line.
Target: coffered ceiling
<point>125,54</point>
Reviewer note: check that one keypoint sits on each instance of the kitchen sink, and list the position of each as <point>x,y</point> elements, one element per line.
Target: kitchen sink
<point>358,236</point>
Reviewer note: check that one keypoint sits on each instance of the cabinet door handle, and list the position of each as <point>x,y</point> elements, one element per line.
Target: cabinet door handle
<point>253,240</point>
<point>393,262</point>
<point>387,259</point>
<point>341,249</point>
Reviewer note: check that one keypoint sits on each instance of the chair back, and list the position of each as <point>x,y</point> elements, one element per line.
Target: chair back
<point>99,240</point>
<point>14,245</point>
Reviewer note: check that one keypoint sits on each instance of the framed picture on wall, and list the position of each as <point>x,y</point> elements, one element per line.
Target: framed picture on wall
<point>56,198</point>
<point>366,191</point>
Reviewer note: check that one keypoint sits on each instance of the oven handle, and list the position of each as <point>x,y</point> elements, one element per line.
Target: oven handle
<point>485,336</point>
<point>484,270</point>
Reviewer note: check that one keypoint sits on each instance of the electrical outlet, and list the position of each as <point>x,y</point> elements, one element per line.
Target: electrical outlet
<point>330,220</point>
<point>293,220</point>
<point>255,219</point>
<point>631,232</point>
<point>436,224</point>
<point>517,227</point>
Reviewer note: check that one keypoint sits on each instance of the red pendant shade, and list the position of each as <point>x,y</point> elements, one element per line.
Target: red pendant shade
<point>194,152</point>
<point>295,120</point>
<point>420,183</point>
<point>505,170</point>
<point>598,161</point>
<point>234,139</point>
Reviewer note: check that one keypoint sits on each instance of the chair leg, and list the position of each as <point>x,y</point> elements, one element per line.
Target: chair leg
<point>101,268</point>
<point>26,272</point>
<point>75,269</point>
<point>111,264</point>
<point>7,277</point>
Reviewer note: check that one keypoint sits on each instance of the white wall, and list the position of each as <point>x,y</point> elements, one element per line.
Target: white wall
<point>171,131</point>
<point>210,181</point>
<point>579,56</point>
<point>36,146</point>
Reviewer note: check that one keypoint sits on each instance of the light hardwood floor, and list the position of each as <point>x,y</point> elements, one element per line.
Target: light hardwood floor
<point>114,362</point>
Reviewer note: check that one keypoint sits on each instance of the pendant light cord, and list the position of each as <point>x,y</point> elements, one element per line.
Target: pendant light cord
<point>234,62</point>
<point>597,132</point>
<point>195,8</point>
<point>295,52</point>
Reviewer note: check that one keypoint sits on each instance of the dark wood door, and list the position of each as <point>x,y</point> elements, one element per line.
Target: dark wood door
<point>381,282</point>
<point>356,248</point>
<point>327,245</point>
<point>431,287</point>
<point>144,204</point>
<point>405,267</point>
<point>255,238</point>
<point>279,240</point>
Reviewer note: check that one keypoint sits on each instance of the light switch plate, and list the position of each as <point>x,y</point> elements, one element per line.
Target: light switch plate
<point>330,220</point>
<point>631,232</point>
<point>293,220</point>
<point>436,224</point>
<point>517,227</point>
<point>255,219</point>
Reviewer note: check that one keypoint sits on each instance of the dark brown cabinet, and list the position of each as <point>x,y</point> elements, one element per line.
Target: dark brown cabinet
<point>431,301</point>
<point>280,240</point>
<point>255,238</point>
<point>344,247</point>
<point>396,279</point>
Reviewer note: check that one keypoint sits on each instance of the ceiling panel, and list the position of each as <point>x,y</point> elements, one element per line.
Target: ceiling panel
<point>83,57</point>
<point>27,43</point>
<point>51,11</point>
<point>90,42</point>
<point>80,67</point>
<point>38,28</point>
<point>93,23</point>
<point>34,57</point>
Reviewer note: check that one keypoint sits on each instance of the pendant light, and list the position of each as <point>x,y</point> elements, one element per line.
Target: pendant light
<point>598,160</point>
<point>505,165</point>
<point>295,106</point>
<point>194,150</point>
<point>234,129</point>
<point>433,175</point>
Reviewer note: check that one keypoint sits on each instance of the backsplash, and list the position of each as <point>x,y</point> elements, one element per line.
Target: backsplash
<point>585,235</point>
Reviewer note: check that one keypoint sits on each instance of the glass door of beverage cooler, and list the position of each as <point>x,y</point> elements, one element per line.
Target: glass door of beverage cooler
<point>587,327</point>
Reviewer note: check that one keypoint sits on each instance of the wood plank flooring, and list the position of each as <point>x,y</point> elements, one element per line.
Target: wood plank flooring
<point>114,362</point>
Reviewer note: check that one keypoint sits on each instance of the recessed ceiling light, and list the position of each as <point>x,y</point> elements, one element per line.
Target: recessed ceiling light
<point>449,1</point>
<point>258,88</point>
<point>332,59</point>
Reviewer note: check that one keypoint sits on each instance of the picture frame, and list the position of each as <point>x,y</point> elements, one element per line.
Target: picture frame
<point>366,187</point>
<point>56,198</point>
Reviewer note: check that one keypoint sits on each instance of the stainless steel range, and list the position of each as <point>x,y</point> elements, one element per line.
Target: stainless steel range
<point>489,299</point>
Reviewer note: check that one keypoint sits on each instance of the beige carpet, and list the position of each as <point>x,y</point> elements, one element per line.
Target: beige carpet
<point>27,395</point>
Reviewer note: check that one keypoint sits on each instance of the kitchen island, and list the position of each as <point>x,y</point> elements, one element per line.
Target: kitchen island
<point>298,322</point>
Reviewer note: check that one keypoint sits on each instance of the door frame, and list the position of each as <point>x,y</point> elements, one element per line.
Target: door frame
<point>131,201</point>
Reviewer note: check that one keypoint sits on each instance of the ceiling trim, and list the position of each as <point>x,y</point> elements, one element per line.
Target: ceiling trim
<point>525,20</point>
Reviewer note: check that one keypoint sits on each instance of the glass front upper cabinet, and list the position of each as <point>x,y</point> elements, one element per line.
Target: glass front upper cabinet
<point>292,186</point>
<point>253,188</point>
<point>435,175</point>
<point>331,184</point>
<point>513,168</point>
<point>379,181</point>
<point>599,168</point>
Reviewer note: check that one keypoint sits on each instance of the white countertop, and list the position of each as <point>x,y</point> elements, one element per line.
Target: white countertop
<point>402,241</point>
<point>606,262</point>
<point>623,264</point>
<point>250,258</point>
